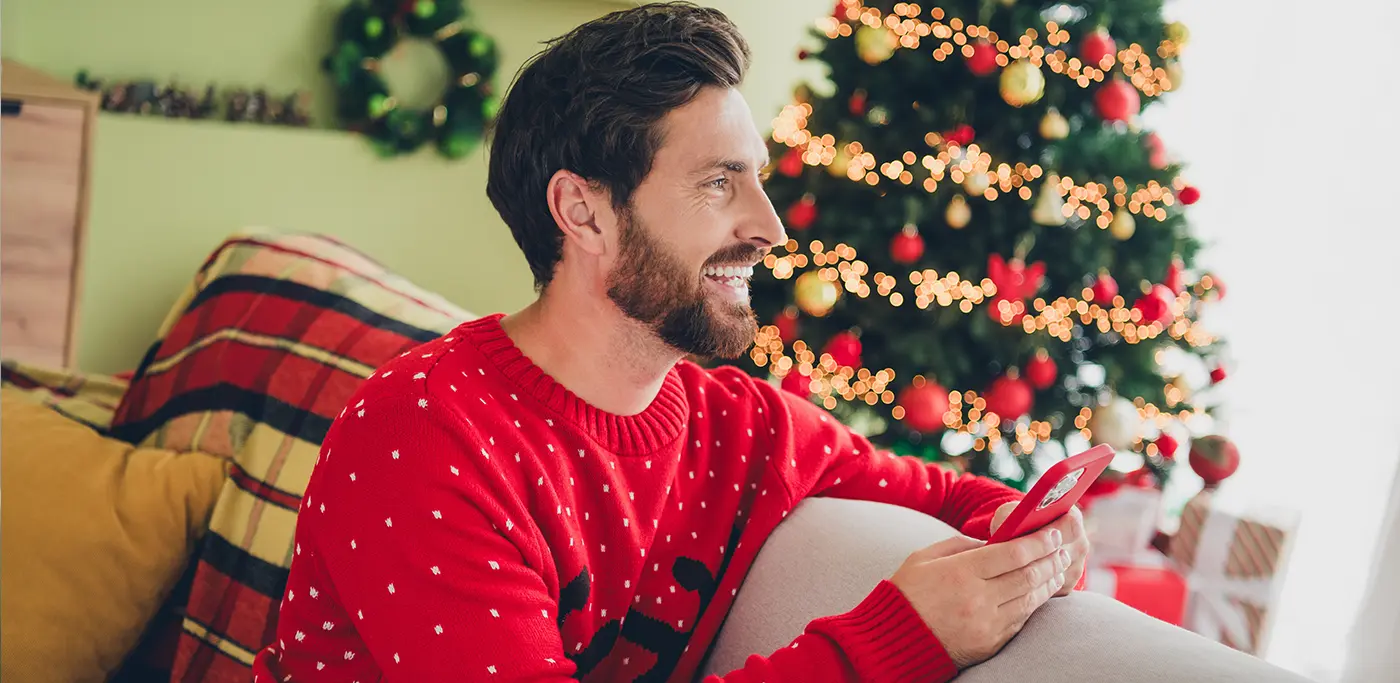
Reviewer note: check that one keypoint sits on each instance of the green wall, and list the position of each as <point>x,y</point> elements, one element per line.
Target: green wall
<point>165,192</point>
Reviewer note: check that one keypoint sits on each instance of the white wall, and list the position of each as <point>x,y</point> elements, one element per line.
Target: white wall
<point>1282,120</point>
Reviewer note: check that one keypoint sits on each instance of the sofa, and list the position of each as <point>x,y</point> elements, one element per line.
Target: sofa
<point>148,518</point>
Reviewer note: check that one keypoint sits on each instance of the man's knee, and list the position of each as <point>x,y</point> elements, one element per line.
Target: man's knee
<point>830,553</point>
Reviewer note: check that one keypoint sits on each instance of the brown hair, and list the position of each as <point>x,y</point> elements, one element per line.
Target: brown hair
<point>591,102</point>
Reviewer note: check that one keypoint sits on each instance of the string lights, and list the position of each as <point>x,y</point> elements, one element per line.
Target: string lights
<point>957,37</point>
<point>959,164</point>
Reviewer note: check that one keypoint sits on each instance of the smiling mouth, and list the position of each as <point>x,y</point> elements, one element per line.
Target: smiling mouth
<point>736,277</point>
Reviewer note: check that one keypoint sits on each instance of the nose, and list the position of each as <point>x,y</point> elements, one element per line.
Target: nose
<point>763,229</point>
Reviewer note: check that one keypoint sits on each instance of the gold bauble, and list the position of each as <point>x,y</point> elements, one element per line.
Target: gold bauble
<point>976,184</point>
<point>1178,33</point>
<point>1122,226</point>
<point>1049,209</point>
<point>813,295</point>
<point>1117,424</point>
<point>1182,385</point>
<point>959,213</point>
<point>839,163</point>
<point>1174,74</point>
<point>1022,83</point>
<point>1054,126</point>
<point>875,45</point>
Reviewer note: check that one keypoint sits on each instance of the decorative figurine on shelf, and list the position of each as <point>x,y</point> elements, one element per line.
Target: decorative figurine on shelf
<point>170,100</point>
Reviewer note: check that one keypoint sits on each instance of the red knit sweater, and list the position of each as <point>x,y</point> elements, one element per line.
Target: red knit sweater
<point>470,519</point>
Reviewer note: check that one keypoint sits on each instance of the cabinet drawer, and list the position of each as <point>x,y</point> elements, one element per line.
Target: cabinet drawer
<point>41,153</point>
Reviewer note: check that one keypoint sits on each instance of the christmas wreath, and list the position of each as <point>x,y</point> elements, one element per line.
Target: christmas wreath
<point>367,30</point>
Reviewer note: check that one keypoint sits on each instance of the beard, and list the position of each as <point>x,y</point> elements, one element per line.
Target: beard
<point>653,287</point>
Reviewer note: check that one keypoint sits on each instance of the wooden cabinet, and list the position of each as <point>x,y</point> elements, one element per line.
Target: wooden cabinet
<point>45,157</point>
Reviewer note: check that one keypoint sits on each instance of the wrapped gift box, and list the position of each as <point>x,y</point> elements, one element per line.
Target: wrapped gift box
<point>1121,524</point>
<point>1234,558</point>
<point>1150,585</point>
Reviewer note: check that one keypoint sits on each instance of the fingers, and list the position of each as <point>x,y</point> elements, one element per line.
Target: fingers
<point>1017,583</point>
<point>949,546</point>
<point>1020,608</point>
<point>999,558</point>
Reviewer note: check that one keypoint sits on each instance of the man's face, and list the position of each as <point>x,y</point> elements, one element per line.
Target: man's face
<point>696,227</point>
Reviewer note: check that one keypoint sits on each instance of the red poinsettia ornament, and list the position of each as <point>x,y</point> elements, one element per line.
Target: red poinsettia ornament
<point>1104,289</point>
<point>1014,280</point>
<point>1156,305</point>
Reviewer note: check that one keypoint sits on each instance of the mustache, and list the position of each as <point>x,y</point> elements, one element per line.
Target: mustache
<point>739,253</point>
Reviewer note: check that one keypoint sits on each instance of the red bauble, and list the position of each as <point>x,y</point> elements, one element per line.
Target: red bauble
<point>858,102</point>
<point>1173,280</point>
<point>1167,445</point>
<point>844,348</point>
<point>1156,305</point>
<point>1010,397</point>
<point>1214,458</point>
<point>791,163</point>
<point>1117,100</point>
<point>1156,151</point>
<point>984,58</point>
<point>1104,289</point>
<point>1217,374</point>
<point>1041,370</point>
<point>803,54</point>
<point>1189,195</point>
<point>960,135</point>
<point>908,246</point>
<point>803,213</point>
<point>1014,280</point>
<point>798,383</point>
<point>1096,46</point>
<point>924,406</point>
<point>786,322</point>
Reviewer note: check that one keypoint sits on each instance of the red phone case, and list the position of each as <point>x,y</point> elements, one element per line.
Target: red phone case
<point>1054,493</point>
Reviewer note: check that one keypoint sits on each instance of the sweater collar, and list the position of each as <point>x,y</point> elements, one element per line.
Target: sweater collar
<point>660,424</point>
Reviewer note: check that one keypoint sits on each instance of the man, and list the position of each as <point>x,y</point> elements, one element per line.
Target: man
<point>557,494</point>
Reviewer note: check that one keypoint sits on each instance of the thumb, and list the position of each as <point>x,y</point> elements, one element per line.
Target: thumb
<point>951,546</point>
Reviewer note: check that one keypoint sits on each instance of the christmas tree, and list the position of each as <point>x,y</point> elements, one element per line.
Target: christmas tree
<point>989,260</point>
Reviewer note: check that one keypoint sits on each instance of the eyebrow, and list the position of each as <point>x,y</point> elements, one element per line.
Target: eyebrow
<point>732,165</point>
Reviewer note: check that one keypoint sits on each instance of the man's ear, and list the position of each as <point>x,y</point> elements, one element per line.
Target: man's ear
<point>579,210</point>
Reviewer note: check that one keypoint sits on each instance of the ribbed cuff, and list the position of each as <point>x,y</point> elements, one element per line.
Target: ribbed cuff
<point>887,641</point>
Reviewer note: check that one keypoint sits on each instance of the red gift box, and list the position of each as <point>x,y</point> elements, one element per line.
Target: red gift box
<point>1150,586</point>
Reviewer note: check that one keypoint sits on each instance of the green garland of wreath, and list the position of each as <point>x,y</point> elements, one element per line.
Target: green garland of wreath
<point>368,29</point>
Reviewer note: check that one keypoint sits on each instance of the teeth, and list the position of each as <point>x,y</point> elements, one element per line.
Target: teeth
<point>728,271</point>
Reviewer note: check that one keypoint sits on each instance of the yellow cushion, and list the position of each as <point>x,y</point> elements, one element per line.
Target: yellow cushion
<point>94,533</point>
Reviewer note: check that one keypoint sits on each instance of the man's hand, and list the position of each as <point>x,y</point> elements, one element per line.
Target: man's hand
<point>976,597</point>
<point>1071,527</point>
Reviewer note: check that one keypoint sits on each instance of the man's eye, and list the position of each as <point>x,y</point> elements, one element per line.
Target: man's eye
<point>718,183</point>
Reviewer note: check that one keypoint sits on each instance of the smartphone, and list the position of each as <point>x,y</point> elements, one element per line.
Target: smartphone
<point>1054,493</point>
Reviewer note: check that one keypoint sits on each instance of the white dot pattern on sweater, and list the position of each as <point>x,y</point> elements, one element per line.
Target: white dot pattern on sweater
<point>415,588</point>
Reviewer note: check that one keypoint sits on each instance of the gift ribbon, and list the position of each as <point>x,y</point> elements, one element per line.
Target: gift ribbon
<point>1212,607</point>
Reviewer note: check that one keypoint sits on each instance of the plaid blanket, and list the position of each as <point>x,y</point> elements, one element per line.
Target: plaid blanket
<point>252,364</point>
<point>89,399</point>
